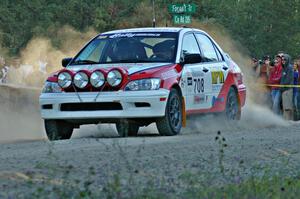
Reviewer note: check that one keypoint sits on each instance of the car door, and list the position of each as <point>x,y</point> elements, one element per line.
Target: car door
<point>197,77</point>
<point>213,60</point>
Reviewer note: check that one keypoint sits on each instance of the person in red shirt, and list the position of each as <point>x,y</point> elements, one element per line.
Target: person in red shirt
<point>274,79</point>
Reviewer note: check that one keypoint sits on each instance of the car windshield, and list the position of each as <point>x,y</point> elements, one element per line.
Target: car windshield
<point>129,48</point>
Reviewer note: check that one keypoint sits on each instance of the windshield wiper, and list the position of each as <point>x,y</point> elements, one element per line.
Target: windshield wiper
<point>85,61</point>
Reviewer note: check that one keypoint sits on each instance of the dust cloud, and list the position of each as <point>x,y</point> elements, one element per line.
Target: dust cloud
<point>19,109</point>
<point>19,114</point>
<point>40,57</point>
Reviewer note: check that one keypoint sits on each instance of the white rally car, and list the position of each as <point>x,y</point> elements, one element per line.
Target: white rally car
<point>135,77</point>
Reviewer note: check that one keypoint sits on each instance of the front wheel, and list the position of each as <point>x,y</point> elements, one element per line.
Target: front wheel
<point>232,111</point>
<point>58,130</point>
<point>126,128</point>
<point>171,123</point>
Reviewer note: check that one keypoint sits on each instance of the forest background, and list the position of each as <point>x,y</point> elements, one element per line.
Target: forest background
<point>261,26</point>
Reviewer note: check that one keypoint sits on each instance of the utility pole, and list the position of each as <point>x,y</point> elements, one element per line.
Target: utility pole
<point>166,18</point>
<point>153,12</point>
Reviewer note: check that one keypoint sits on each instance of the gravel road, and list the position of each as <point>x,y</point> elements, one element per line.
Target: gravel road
<point>148,157</point>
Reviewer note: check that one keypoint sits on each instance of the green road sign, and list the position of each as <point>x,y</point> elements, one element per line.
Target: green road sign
<point>181,8</point>
<point>182,19</point>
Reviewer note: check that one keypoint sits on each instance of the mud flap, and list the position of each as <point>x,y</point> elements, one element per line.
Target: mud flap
<point>183,113</point>
<point>240,108</point>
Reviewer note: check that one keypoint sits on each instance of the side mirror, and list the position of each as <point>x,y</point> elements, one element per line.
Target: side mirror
<point>66,61</point>
<point>192,58</point>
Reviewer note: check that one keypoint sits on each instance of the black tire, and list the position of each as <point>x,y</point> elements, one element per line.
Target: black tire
<point>126,128</point>
<point>58,130</point>
<point>171,123</point>
<point>232,111</point>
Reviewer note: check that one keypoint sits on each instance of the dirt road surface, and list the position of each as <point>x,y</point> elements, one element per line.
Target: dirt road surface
<point>26,166</point>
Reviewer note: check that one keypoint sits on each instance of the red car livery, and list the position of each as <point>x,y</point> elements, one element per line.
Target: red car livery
<point>135,77</point>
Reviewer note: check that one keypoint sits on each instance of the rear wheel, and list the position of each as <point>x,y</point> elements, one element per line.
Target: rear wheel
<point>126,128</point>
<point>58,130</point>
<point>232,105</point>
<point>171,123</point>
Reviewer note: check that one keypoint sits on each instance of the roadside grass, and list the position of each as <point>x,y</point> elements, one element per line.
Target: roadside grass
<point>266,187</point>
<point>274,187</point>
<point>224,182</point>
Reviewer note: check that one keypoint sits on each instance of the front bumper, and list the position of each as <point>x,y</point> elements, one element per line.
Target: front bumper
<point>51,104</point>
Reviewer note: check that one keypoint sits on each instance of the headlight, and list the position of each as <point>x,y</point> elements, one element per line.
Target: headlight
<point>97,79</point>
<point>81,80</point>
<point>114,78</point>
<point>51,87</point>
<point>64,79</point>
<point>143,84</point>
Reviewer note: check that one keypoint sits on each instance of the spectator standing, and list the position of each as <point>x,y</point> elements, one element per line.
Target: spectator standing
<point>255,65</point>
<point>287,78</point>
<point>263,76</point>
<point>264,69</point>
<point>274,79</point>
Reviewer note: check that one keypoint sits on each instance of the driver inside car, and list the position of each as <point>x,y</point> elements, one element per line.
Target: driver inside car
<point>127,50</point>
<point>164,51</point>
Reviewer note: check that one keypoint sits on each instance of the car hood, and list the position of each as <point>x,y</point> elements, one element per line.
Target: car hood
<point>130,67</point>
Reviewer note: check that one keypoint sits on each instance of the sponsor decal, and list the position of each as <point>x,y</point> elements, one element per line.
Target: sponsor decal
<point>216,99</point>
<point>217,77</point>
<point>120,35</point>
<point>190,81</point>
<point>200,99</point>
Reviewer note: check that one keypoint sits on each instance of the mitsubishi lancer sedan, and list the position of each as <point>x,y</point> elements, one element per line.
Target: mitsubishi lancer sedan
<point>135,77</point>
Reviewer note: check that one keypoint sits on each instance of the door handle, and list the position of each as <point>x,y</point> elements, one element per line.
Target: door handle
<point>205,70</point>
<point>225,68</point>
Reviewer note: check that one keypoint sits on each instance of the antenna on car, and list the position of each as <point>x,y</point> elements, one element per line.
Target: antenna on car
<point>153,12</point>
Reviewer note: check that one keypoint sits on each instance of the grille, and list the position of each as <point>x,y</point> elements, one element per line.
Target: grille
<point>97,106</point>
